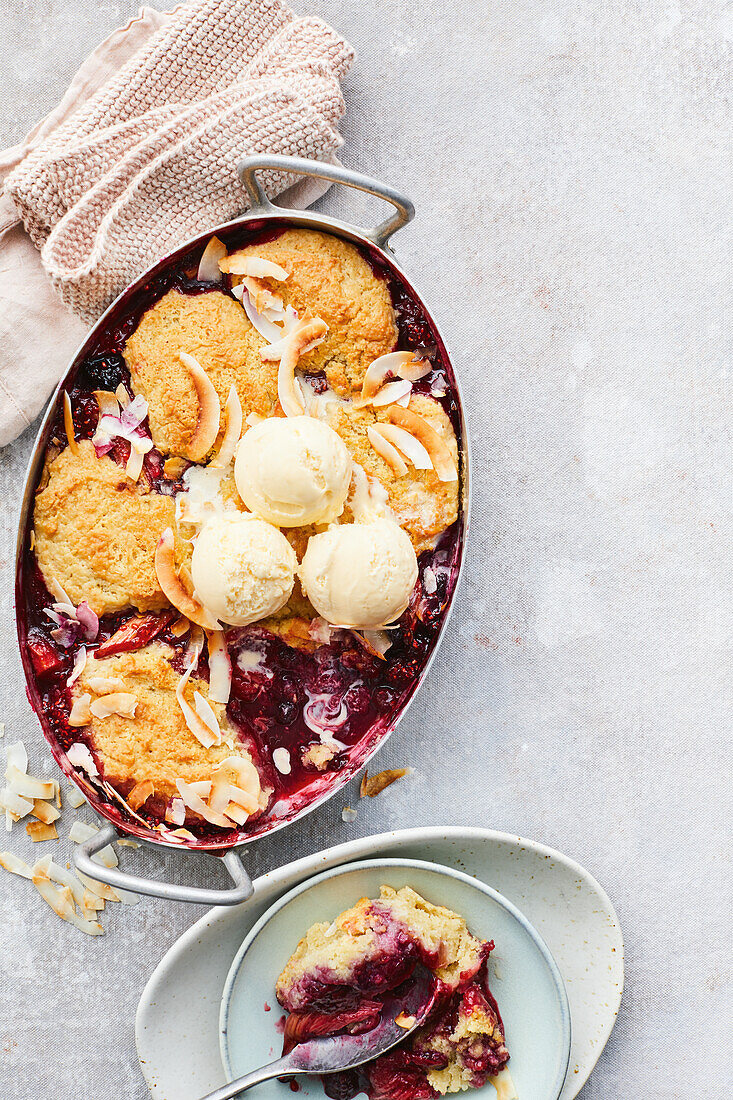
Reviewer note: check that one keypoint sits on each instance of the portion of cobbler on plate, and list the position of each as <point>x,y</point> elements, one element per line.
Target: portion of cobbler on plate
<point>245,534</point>
<point>337,977</point>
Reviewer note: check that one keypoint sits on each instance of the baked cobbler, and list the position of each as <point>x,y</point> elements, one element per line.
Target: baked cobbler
<point>245,533</point>
<point>337,977</point>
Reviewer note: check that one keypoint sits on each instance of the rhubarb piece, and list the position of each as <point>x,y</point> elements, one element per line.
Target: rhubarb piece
<point>135,633</point>
<point>45,657</point>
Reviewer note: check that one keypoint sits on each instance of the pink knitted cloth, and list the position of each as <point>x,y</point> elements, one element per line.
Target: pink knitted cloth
<point>150,157</point>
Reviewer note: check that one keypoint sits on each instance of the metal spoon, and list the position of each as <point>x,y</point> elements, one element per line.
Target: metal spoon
<point>342,1052</point>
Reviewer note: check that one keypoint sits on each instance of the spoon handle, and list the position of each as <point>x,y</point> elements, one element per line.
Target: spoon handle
<point>264,1073</point>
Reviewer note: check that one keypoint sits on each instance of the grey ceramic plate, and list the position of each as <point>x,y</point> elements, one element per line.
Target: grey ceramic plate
<point>177,1026</point>
<point>523,975</point>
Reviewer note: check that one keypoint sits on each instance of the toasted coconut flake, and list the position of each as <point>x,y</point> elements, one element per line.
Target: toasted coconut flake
<point>175,811</point>
<point>125,842</point>
<point>194,647</point>
<point>27,786</point>
<point>437,448</point>
<point>207,426</point>
<point>15,804</point>
<point>372,785</point>
<point>198,806</point>
<point>262,324</point>
<point>206,713</point>
<point>122,703</point>
<point>61,901</point>
<point>378,642</point>
<point>81,832</point>
<point>134,464</point>
<point>105,685</point>
<point>106,857</point>
<point>269,305</point>
<point>237,813</point>
<point>254,418</point>
<point>173,587</point>
<point>79,663</point>
<point>79,756</point>
<point>201,787</point>
<point>257,267</point>
<point>122,395</point>
<point>405,442</point>
<point>69,425</point>
<point>39,830</point>
<point>232,433</point>
<point>504,1085</point>
<point>414,369</point>
<point>386,450</point>
<point>405,1021</point>
<point>65,878</point>
<point>289,392</point>
<point>180,627</point>
<point>99,889</point>
<point>209,270</point>
<point>281,760</point>
<point>391,393</point>
<point>75,798</point>
<point>81,714</point>
<point>108,403</point>
<point>15,865</point>
<point>305,335</point>
<point>201,731</point>
<point>139,794</point>
<point>220,667</point>
<point>348,814</point>
<point>380,369</point>
<point>179,835</point>
<point>91,903</point>
<point>61,596</point>
<point>44,811</point>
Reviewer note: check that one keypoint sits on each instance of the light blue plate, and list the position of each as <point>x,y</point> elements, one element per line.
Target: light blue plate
<point>523,976</point>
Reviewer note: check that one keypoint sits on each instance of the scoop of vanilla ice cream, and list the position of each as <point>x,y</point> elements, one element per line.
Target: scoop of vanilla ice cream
<point>293,470</point>
<point>243,569</point>
<point>360,574</point>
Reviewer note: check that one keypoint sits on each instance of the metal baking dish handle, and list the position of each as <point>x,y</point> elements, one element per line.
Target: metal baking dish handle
<point>170,891</point>
<point>248,168</point>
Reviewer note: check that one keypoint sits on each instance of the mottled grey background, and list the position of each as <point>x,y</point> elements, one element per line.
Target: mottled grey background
<point>570,165</point>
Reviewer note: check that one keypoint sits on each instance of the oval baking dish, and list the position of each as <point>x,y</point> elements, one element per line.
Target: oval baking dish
<point>414,642</point>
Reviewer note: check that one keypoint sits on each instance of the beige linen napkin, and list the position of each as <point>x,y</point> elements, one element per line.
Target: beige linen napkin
<point>140,154</point>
